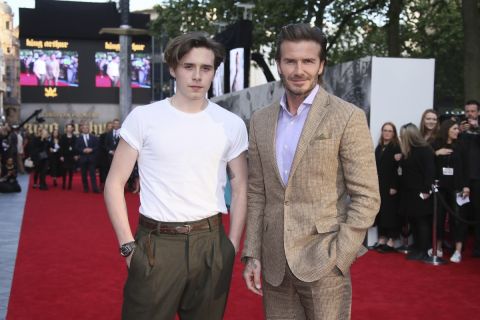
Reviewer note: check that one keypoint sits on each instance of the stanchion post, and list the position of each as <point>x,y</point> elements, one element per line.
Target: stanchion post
<point>434,259</point>
<point>405,248</point>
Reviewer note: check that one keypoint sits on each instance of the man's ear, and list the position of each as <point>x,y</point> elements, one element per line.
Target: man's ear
<point>172,72</point>
<point>322,66</point>
<point>278,68</point>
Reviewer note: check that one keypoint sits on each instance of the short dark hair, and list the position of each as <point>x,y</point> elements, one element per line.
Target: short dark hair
<point>475,102</point>
<point>302,31</point>
<point>181,45</point>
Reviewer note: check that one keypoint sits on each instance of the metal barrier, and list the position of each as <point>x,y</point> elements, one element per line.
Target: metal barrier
<point>434,259</point>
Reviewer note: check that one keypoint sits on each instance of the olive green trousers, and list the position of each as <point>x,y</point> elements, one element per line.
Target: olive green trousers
<point>188,275</point>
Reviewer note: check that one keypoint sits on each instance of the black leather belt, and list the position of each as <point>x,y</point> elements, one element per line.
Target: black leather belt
<point>181,227</point>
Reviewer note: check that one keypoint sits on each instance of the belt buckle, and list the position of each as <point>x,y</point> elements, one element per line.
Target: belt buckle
<point>185,229</point>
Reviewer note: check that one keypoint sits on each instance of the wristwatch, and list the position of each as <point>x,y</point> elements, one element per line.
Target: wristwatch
<point>126,249</point>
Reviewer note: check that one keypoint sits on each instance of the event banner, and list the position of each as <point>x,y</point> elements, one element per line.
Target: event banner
<point>80,71</point>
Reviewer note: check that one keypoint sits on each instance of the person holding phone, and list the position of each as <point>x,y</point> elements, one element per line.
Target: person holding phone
<point>470,136</point>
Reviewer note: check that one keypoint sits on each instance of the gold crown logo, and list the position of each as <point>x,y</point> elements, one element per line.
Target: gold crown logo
<point>50,92</point>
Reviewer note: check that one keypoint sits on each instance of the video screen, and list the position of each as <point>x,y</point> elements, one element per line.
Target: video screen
<point>54,68</point>
<point>108,70</point>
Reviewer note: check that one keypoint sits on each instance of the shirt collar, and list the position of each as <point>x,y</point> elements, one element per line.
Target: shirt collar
<point>307,102</point>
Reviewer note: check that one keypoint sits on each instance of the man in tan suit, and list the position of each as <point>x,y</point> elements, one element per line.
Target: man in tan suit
<point>313,189</point>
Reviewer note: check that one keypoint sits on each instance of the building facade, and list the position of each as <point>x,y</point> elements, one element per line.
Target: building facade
<point>9,47</point>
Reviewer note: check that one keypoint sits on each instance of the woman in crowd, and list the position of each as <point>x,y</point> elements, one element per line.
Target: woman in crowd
<point>54,158</point>
<point>387,220</point>
<point>416,171</point>
<point>67,156</point>
<point>451,173</point>
<point>33,142</point>
<point>429,125</point>
<point>40,158</point>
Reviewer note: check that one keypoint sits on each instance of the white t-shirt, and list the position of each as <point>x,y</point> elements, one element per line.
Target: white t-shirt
<point>182,158</point>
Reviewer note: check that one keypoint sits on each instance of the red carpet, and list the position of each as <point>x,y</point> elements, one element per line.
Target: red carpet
<point>104,82</point>
<point>32,81</point>
<point>28,79</point>
<point>68,267</point>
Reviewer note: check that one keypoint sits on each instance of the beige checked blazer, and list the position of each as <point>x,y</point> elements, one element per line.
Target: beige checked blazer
<point>319,219</point>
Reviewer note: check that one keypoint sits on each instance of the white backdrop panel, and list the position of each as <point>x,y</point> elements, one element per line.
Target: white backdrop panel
<point>401,90</point>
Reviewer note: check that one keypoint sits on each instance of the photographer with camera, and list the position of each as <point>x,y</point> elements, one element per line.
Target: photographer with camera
<point>470,136</point>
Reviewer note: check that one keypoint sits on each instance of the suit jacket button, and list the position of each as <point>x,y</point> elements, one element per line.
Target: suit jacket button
<point>287,203</point>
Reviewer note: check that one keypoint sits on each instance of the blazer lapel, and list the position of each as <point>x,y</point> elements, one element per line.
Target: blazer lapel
<point>272,137</point>
<point>315,116</point>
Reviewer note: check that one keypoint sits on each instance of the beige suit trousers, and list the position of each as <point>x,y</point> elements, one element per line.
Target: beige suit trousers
<point>328,298</point>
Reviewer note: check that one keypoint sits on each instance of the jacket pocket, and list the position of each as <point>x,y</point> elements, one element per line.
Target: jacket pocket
<point>327,225</point>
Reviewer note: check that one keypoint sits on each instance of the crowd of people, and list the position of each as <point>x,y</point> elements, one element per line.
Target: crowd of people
<point>58,156</point>
<point>441,153</point>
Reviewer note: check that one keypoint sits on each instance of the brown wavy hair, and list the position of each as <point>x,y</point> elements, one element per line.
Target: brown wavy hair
<point>395,140</point>
<point>442,137</point>
<point>423,128</point>
<point>181,45</point>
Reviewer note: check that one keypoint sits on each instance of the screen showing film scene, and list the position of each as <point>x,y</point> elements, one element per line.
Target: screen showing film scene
<point>108,69</point>
<point>52,68</point>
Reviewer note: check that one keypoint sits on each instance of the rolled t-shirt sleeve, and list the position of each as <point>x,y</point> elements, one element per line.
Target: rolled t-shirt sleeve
<point>239,141</point>
<point>132,130</point>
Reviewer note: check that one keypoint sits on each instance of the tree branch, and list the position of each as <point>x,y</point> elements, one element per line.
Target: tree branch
<point>346,18</point>
<point>320,14</point>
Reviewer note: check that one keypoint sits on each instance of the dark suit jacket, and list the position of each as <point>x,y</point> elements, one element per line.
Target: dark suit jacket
<point>80,146</point>
<point>110,142</point>
<point>102,153</point>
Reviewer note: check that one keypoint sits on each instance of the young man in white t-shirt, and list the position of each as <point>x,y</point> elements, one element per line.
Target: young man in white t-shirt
<point>180,260</point>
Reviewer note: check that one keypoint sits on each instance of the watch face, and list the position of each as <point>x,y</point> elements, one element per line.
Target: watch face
<point>126,249</point>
